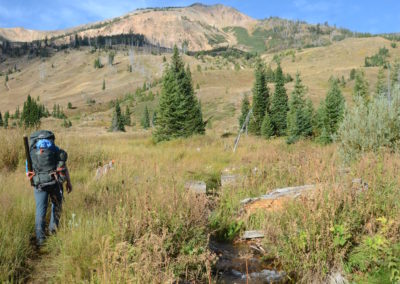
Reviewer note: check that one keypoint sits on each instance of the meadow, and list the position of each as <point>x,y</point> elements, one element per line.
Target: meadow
<point>139,224</point>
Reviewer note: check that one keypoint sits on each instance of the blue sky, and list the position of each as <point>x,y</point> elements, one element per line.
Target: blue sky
<point>364,16</point>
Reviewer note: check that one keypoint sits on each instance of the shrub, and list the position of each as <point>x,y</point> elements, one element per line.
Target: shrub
<point>368,127</point>
<point>379,59</point>
<point>97,63</point>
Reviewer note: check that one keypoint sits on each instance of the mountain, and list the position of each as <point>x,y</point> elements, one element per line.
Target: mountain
<point>200,27</point>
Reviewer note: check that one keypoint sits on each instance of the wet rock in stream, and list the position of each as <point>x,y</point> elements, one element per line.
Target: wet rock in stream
<point>238,263</point>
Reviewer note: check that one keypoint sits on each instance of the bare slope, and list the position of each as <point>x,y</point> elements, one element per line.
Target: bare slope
<point>199,25</point>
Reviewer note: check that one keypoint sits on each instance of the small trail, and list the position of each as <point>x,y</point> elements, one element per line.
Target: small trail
<point>34,274</point>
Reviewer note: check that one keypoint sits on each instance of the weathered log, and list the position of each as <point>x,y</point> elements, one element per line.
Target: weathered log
<point>291,192</point>
<point>197,187</point>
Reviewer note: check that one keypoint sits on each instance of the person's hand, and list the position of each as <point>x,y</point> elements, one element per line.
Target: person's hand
<point>69,187</point>
<point>30,175</point>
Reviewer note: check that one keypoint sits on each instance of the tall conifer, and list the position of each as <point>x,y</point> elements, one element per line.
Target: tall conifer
<point>245,110</point>
<point>117,123</point>
<point>279,104</point>
<point>334,108</point>
<point>179,111</point>
<point>299,117</point>
<point>260,99</point>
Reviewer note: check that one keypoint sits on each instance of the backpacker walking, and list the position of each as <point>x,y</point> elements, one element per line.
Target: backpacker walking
<point>47,170</point>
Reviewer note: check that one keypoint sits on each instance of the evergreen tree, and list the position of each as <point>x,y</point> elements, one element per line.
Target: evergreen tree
<point>145,121</point>
<point>127,116</point>
<point>309,115</point>
<point>6,78</point>
<point>269,75</point>
<point>6,117</point>
<point>260,99</point>
<point>352,74</point>
<point>298,120</point>
<point>31,113</point>
<point>381,86</point>
<point>154,118</point>
<point>179,111</point>
<point>325,138</point>
<point>334,108</point>
<point>104,85</point>
<point>17,113</point>
<point>117,123</point>
<point>361,86</point>
<point>319,119</point>
<point>279,104</point>
<point>245,110</point>
<point>1,120</point>
<point>267,129</point>
<point>343,82</point>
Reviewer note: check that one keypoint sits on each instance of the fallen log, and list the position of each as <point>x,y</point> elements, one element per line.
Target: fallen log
<point>276,198</point>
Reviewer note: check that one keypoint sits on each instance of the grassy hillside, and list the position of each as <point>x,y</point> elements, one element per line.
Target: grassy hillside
<point>71,77</point>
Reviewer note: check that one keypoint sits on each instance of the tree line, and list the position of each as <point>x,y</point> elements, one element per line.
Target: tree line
<point>278,115</point>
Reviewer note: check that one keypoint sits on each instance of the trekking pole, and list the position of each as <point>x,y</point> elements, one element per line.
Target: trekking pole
<point>28,156</point>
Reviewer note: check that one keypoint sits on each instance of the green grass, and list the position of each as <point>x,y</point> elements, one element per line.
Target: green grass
<point>255,41</point>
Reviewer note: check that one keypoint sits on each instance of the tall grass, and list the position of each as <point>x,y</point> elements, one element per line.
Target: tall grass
<point>17,209</point>
<point>138,224</point>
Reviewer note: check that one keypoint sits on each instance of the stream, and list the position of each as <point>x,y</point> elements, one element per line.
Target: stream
<point>233,259</point>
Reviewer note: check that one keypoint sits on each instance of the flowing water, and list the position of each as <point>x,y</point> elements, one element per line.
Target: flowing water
<point>243,263</point>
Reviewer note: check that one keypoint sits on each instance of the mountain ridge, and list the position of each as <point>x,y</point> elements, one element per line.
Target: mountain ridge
<point>199,27</point>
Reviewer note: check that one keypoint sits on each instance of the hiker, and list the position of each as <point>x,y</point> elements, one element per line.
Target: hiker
<point>47,178</point>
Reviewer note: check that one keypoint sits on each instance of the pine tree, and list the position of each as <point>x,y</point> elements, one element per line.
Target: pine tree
<point>145,121</point>
<point>308,120</point>
<point>352,74</point>
<point>298,120</point>
<point>267,129</point>
<point>6,117</point>
<point>127,116</point>
<point>104,85</point>
<point>269,75</point>
<point>245,110</point>
<point>31,113</point>
<point>319,119</point>
<point>325,138</point>
<point>1,120</point>
<point>260,99</point>
<point>334,108</point>
<point>154,118</point>
<point>179,111</point>
<point>361,86</point>
<point>6,78</point>
<point>279,104</point>
<point>381,86</point>
<point>17,113</point>
<point>117,123</point>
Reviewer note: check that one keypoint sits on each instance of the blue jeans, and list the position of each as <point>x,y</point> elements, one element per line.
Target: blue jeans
<point>42,200</point>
